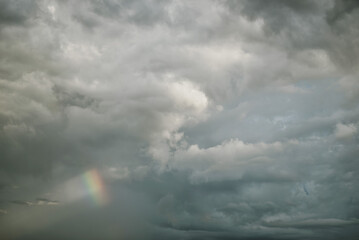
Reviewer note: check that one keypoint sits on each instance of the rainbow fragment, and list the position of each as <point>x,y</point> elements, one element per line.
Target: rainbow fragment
<point>95,186</point>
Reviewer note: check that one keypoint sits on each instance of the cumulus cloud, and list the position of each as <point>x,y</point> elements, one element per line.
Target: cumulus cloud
<point>198,120</point>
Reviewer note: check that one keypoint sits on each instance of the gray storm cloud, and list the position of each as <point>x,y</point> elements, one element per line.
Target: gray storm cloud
<point>179,119</point>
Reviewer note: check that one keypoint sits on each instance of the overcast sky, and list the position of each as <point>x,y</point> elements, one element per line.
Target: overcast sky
<point>179,119</point>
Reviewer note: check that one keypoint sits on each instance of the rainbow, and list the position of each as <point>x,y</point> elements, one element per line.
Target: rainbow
<point>95,187</point>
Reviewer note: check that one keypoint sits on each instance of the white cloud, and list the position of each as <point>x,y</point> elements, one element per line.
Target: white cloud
<point>227,161</point>
<point>345,131</point>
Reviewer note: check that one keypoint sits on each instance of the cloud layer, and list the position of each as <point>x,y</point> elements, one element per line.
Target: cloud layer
<point>202,120</point>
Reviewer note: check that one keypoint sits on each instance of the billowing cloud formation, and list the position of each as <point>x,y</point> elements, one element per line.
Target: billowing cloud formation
<point>197,119</point>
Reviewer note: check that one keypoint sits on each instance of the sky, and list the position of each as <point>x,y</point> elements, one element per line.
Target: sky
<point>208,119</point>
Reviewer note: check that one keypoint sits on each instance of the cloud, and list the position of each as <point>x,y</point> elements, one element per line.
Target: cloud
<point>230,160</point>
<point>12,13</point>
<point>203,120</point>
<point>38,202</point>
<point>319,223</point>
<point>343,131</point>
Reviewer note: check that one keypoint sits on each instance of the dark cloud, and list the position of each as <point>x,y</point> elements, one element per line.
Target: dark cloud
<point>179,120</point>
<point>16,13</point>
<point>341,9</point>
<point>277,14</point>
